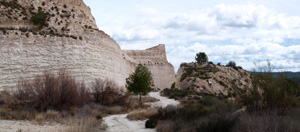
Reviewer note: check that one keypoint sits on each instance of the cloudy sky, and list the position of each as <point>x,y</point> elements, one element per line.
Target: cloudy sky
<point>244,31</point>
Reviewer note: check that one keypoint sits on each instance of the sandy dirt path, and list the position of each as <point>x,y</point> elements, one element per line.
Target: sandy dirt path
<point>27,126</point>
<point>119,123</point>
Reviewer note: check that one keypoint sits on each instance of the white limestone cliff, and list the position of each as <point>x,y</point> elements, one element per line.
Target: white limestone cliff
<point>70,41</point>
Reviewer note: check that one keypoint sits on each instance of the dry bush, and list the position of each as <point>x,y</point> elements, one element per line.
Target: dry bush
<point>270,91</point>
<point>86,124</point>
<point>8,114</point>
<point>131,102</point>
<point>86,119</point>
<point>148,99</point>
<point>51,92</point>
<point>6,99</point>
<point>50,115</point>
<point>212,123</point>
<point>206,114</point>
<point>106,92</point>
<point>142,114</point>
<point>165,126</point>
<point>115,110</point>
<point>268,122</point>
<point>90,110</point>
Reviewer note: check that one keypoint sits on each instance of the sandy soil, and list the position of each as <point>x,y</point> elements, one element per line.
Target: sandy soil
<point>119,123</point>
<point>163,101</point>
<point>27,126</point>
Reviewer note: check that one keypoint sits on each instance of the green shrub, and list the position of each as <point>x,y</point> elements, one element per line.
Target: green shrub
<point>177,93</point>
<point>183,64</point>
<point>232,64</point>
<point>39,18</point>
<point>173,85</point>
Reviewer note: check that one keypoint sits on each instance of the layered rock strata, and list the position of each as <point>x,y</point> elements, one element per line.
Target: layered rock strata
<point>70,40</point>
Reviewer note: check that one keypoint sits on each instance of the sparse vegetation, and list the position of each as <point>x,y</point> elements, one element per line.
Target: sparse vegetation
<point>13,4</point>
<point>272,92</point>
<point>176,93</point>
<point>60,98</point>
<point>51,92</point>
<point>206,114</point>
<point>106,92</point>
<point>197,70</point>
<point>272,105</point>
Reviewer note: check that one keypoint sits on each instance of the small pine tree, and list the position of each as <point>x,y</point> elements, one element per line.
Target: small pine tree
<point>201,58</point>
<point>140,82</point>
<point>232,64</point>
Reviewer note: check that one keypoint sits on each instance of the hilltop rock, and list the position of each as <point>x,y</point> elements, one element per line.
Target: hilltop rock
<point>213,79</point>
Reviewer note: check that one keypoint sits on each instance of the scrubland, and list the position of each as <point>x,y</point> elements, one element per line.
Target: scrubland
<point>60,98</point>
<point>272,105</point>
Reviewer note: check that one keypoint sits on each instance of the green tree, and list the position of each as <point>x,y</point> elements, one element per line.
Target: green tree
<point>201,58</point>
<point>39,18</point>
<point>232,64</point>
<point>140,82</point>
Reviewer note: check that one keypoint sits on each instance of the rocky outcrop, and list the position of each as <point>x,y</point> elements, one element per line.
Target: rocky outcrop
<point>70,40</point>
<point>213,79</point>
<point>156,60</point>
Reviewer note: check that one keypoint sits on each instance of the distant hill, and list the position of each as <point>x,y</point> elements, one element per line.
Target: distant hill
<point>291,75</point>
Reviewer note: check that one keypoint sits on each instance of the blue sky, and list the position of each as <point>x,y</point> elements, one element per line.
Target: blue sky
<point>226,30</point>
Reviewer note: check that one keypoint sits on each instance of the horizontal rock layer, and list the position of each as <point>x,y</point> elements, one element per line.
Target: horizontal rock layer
<point>82,50</point>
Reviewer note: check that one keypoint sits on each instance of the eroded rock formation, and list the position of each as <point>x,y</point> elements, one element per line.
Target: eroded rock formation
<point>70,40</point>
<point>213,79</point>
<point>156,60</point>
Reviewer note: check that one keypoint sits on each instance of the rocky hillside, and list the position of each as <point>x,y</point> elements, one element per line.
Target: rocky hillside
<point>64,17</point>
<point>213,79</point>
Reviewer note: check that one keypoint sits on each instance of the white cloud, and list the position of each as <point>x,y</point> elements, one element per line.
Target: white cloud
<point>244,55</point>
<point>244,33</point>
